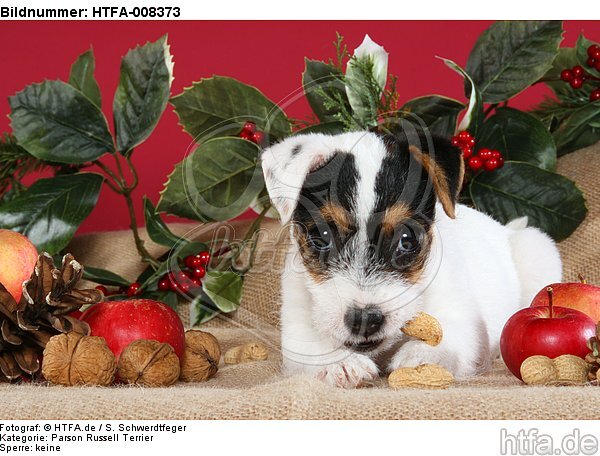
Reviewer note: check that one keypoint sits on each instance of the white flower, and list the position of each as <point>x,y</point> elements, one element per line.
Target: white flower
<point>369,49</point>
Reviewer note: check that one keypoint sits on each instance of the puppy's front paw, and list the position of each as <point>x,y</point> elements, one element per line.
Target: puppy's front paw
<point>353,371</point>
<point>415,352</point>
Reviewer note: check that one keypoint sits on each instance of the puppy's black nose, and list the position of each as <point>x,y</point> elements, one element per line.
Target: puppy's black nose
<point>364,322</point>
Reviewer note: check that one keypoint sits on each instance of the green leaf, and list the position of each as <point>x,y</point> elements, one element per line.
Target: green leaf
<point>143,92</point>
<point>551,202</point>
<point>218,181</point>
<point>582,56</point>
<point>221,105</point>
<point>204,309</point>
<point>511,55</point>
<point>566,58</point>
<point>437,112</point>
<point>104,277</point>
<point>224,288</point>
<point>364,93</point>
<point>327,128</point>
<point>577,130</point>
<point>50,211</point>
<point>320,78</point>
<point>56,122</point>
<point>82,77</point>
<point>166,297</point>
<point>473,118</point>
<point>156,228</point>
<point>519,137</point>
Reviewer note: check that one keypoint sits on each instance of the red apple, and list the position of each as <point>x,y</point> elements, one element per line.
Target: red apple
<point>18,257</point>
<point>549,331</point>
<point>122,322</point>
<point>581,296</point>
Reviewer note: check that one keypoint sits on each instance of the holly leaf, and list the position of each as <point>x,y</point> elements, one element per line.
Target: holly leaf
<point>519,137</point>
<point>143,92</point>
<point>578,129</point>
<point>566,58</point>
<point>438,113</point>
<point>551,202</point>
<point>50,211</point>
<point>221,105</point>
<point>104,277</point>
<point>156,228</point>
<point>82,77</point>
<point>224,288</point>
<point>218,181</point>
<point>473,118</point>
<point>511,55</point>
<point>324,90</point>
<point>55,122</point>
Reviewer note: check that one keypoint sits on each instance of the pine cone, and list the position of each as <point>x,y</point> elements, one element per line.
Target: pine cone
<point>25,327</point>
<point>593,357</point>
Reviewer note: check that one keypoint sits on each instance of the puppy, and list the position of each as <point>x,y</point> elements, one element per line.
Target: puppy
<point>377,236</point>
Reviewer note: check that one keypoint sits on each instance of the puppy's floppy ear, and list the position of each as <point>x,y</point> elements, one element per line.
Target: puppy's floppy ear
<point>446,170</point>
<point>285,166</point>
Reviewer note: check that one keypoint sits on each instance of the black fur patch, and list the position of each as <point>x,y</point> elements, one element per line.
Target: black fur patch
<point>334,182</point>
<point>296,150</point>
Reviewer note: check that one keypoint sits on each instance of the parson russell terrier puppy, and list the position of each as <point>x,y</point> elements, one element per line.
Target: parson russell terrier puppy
<point>377,236</point>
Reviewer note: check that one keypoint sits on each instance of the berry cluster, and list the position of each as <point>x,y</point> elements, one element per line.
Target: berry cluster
<point>486,159</point>
<point>182,281</point>
<point>187,279</point>
<point>577,75</point>
<point>250,133</point>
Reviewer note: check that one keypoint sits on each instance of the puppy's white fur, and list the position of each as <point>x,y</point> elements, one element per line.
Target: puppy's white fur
<point>479,272</point>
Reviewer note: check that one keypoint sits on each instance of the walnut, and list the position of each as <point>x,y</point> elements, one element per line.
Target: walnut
<point>252,351</point>
<point>149,363</point>
<point>201,357</point>
<point>74,359</point>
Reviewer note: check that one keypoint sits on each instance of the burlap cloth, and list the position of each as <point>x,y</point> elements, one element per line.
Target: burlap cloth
<point>258,390</point>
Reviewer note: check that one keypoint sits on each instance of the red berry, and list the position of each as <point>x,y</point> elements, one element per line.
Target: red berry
<point>184,287</point>
<point>204,257</point>
<point>576,83</point>
<point>197,282</point>
<point>594,51</point>
<point>464,136</point>
<point>467,152</point>
<point>163,284</point>
<point>454,140</point>
<point>484,154</point>
<point>199,272</point>
<point>500,161</point>
<point>133,289</point>
<point>246,135</point>
<point>566,75</point>
<point>491,164</point>
<point>103,289</point>
<point>496,154</point>
<point>595,95</point>
<point>250,127</point>
<point>591,62</point>
<point>258,137</point>
<point>192,261</point>
<point>597,65</point>
<point>578,71</point>
<point>475,163</point>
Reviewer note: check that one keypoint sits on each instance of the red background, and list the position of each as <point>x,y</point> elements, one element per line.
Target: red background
<point>266,54</point>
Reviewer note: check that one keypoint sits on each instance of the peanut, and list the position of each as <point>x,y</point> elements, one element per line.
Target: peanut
<point>562,370</point>
<point>571,369</point>
<point>424,327</point>
<point>430,376</point>
<point>253,351</point>
<point>538,370</point>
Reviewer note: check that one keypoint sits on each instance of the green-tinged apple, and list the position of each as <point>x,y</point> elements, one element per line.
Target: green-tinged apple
<point>18,257</point>
<point>549,331</point>
<point>574,295</point>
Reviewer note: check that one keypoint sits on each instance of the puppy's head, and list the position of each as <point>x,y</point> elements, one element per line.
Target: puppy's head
<point>362,208</point>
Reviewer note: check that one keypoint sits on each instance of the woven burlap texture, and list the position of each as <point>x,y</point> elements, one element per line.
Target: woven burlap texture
<point>258,390</point>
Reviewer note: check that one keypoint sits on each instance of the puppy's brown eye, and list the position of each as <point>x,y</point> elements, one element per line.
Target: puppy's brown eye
<point>320,239</point>
<point>408,239</point>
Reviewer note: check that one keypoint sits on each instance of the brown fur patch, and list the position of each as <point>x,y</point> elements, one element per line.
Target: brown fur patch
<point>438,178</point>
<point>337,215</point>
<point>313,264</point>
<point>414,272</point>
<point>394,216</point>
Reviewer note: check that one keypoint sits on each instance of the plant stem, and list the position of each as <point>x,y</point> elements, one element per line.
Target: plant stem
<point>139,243</point>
